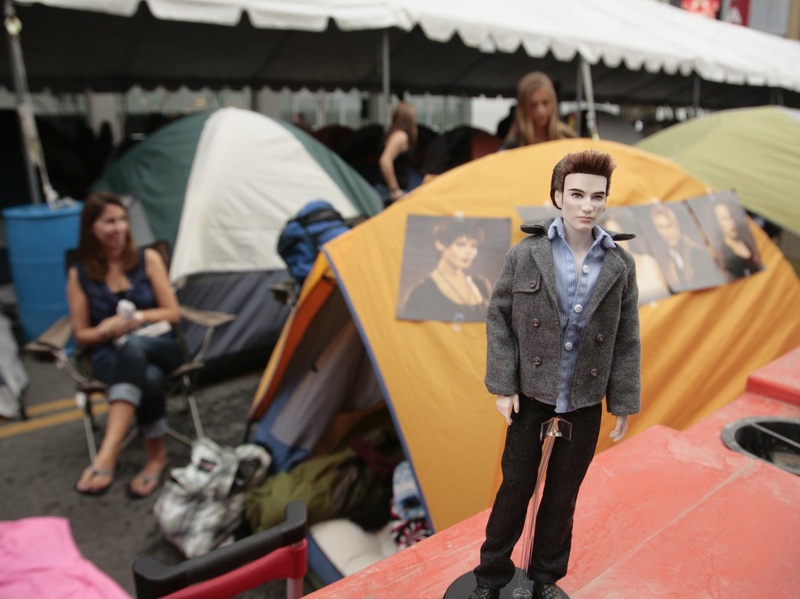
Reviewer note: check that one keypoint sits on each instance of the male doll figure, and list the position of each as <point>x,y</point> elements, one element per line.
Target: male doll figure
<point>562,332</point>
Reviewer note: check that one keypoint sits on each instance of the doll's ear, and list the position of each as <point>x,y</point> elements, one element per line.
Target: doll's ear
<point>558,197</point>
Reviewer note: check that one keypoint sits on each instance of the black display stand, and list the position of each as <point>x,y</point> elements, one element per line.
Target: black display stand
<point>464,585</point>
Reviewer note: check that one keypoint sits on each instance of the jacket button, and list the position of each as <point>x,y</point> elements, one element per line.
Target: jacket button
<point>537,361</point>
<point>535,322</point>
<point>533,284</point>
<point>600,338</point>
<point>593,372</point>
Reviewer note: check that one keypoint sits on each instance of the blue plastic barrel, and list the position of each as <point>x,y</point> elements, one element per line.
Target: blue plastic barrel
<point>37,237</point>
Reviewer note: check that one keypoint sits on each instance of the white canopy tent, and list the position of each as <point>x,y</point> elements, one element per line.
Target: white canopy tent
<point>638,51</point>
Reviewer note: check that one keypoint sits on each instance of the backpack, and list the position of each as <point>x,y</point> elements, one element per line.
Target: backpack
<point>302,236</point>
<point>202,504</point>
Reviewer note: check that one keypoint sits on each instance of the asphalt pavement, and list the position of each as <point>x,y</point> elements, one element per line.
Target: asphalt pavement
<point>43,456</point>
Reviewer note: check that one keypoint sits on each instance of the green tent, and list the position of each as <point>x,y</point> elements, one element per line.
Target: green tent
<point>755,151</point>
<point>219,186</point>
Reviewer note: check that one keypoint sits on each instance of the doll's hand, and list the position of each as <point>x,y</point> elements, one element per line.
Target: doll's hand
<point>620,429</point>
<point>505,403</point>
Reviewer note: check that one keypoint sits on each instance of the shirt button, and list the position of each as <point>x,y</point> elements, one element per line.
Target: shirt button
<point>568,346</point>
<point>578,308</point>
<point>586,268</point>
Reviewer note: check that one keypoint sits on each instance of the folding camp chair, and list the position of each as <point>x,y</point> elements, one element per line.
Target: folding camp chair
<point>276,553</point>
<point>54,344</point>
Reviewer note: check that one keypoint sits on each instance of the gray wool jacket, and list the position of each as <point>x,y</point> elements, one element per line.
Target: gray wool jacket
<point>523,329</point>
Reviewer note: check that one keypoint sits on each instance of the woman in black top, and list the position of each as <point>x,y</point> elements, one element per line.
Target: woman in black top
<point>738,257</point>
<point>401,141</point>
<point>449,292</point>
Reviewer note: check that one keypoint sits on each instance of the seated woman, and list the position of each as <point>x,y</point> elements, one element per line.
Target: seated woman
<point>449,292</point>
<point>110,268</point>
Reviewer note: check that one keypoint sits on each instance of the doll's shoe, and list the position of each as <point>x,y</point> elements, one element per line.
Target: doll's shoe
<point>548,590</point>
<point>482,592</point>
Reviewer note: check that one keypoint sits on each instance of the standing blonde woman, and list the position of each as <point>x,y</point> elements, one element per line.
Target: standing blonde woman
<point>401,141</point>
<point>536,116</point>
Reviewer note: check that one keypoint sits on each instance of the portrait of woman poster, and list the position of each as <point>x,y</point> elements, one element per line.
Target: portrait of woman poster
<point>725,225</point>
<point>450,265</point>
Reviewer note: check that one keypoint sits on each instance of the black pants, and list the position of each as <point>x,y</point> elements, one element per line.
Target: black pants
<point>569,462</point>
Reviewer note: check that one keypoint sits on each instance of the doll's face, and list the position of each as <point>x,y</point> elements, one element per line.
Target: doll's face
<point>461,253</point>
<point>582,202</point>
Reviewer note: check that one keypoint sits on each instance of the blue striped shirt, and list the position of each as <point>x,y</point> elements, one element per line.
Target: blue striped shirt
<point>573,291</point>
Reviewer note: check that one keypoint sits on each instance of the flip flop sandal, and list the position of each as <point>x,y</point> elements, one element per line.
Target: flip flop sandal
<point>95,472</point>
<point>147,479</point>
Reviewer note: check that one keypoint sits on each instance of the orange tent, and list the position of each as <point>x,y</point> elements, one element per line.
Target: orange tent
<point>698,347</point>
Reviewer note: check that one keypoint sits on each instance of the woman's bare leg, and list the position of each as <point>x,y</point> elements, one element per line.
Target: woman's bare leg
<point>100,474</point>
<point>144,483</point>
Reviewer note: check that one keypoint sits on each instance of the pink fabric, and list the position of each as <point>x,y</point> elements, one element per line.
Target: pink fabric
<point>39,560</point>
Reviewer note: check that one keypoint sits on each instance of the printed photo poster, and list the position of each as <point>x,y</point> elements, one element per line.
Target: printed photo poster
<point>450,266</point>
<point>678,246</point>
<point>649,277</point>
<point>724,222</point>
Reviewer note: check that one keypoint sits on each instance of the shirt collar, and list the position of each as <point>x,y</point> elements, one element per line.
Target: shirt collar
<point>600,236</point>
<point>556,228</point>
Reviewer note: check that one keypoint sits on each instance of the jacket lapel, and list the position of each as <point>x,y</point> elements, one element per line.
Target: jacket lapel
<point>613,269</point>
<point>542,253</point>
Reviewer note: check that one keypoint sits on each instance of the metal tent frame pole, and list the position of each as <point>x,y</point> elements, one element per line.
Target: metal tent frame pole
<point>579,101</point>
<point>29,136</point>
<point>386,79</point>
<point>31,143</point>
<point>586,77</point>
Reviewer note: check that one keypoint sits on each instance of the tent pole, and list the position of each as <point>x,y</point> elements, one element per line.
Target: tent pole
<point>591,122</point>
<point>387,98</point>
<point>578,102</point>
<point>696,94</point>
<point>28,136</point>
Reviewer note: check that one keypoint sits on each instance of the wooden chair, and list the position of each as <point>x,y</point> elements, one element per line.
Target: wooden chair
<point>54,344</point>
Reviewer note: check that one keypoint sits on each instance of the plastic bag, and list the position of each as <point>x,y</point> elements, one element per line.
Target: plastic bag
<point>202,504</point>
